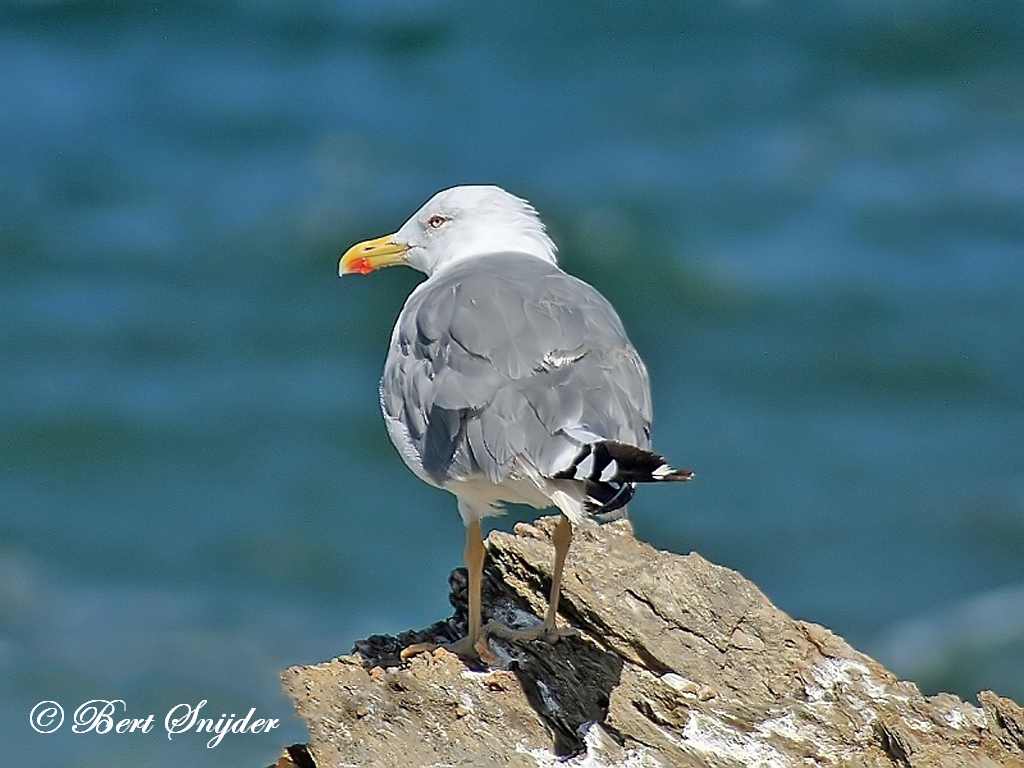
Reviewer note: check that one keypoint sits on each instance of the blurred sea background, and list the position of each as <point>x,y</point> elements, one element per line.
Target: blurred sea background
<point>810,216</point>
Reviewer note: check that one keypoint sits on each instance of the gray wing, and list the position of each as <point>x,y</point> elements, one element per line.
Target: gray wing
<point>508,357</point>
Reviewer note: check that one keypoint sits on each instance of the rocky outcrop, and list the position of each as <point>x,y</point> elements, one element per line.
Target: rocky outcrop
<point>678,662</point>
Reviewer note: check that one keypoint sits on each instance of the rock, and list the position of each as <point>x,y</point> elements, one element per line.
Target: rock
<point>678,662</point>
<point>295,756</point>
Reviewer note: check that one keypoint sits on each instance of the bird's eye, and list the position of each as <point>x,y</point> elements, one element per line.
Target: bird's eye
<point>435,221</point>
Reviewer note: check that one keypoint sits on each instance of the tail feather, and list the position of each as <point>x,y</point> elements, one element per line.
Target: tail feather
<point>610,471</point>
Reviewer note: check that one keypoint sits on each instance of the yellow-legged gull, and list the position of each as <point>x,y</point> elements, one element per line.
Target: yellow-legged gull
<point>508,380</point>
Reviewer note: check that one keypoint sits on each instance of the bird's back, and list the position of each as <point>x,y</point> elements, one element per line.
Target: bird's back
<point>507,358</point>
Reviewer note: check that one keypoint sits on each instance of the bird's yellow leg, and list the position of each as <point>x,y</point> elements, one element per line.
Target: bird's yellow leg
<point>474,644</point>
<point>475,566</point>
<point>561,538</point>
<point>467,646</point>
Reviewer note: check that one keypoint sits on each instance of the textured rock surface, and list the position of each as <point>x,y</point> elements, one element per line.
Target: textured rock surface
<point>678,663</point>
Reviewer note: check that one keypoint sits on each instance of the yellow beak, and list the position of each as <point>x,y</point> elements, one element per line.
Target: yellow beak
<point>362,258</point>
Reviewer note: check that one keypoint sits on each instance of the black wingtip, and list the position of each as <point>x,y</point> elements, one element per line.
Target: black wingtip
<point>606,498</point>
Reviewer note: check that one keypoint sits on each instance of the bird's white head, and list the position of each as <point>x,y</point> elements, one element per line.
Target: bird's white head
<point>456,224</point>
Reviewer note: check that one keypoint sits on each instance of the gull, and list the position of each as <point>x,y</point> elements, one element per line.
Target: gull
<point>509,381</point>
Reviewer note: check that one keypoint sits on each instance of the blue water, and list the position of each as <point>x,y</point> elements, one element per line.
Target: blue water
<point>810,216</point>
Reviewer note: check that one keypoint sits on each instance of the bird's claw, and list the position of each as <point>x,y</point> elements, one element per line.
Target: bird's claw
<point>464,648</point>
<point>543,632</point>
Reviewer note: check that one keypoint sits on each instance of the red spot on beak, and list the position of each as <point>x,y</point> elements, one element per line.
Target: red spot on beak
<point>361,266</point>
